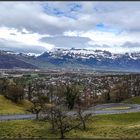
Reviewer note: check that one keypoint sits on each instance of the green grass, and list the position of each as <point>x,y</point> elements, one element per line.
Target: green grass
<point>24,129</point>
<point>112,126</point>
<point>103,126</point>
<point>133,100</point>
<point>9,107</point>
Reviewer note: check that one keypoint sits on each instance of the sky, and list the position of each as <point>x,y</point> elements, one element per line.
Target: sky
<point>34,27</point>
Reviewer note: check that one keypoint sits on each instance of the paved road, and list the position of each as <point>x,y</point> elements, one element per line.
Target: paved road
<point>17,117</point>
<point>97,110</point>
<point>110,108</point>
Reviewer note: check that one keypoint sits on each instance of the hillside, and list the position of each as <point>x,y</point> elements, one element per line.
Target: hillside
<point>11,61</point>
<point>8,107</point>
<point>133,100</point>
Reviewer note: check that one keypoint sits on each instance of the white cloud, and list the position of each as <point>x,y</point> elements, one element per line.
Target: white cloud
<point>67,42</point>
<point>101,37</point>
<point>110,41</point>
<point>28,22</point>
<point>24,37</point>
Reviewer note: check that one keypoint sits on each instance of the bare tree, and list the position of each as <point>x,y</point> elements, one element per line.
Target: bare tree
<point>81,113</point>
<point>62,122</point>
<point>36,108</point>
<point>38,105</point>
<point>38,97</point>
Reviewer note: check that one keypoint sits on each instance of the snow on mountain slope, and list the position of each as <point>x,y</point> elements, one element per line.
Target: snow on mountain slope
<point>97,59</point>
<point>92,58</point>
<point>86,54</point>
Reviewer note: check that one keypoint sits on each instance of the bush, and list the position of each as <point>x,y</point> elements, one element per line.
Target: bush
<point>14,93</point>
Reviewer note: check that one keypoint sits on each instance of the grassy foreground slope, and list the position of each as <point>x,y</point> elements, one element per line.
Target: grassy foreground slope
<point>8,107</point>
<point>104,126</point>
<point>133,100</point>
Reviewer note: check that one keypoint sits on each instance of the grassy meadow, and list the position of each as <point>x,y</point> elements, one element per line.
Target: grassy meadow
<point>9,107</point>
<point>103,126</point>
<point>133,100</point>
<point>117,126</point>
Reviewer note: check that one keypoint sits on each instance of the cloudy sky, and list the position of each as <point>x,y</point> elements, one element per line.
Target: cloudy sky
<point>38,26</point>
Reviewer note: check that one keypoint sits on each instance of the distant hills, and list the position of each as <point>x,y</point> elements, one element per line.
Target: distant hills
<point>11,61</point>
<point>71,59</point>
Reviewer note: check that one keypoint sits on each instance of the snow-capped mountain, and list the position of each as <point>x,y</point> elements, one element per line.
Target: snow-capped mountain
<point>71,59</point>
<point>92,58</point>
<point>87,54</point>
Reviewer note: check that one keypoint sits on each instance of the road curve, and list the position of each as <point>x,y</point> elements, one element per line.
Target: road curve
<point>97,110</point>
<point>110,108</point>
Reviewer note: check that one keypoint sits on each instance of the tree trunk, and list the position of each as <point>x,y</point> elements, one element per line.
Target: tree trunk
<point>52,118</point>
<point>84,125</point>
<point>52,122</point>
<point>29,92</point>
<point>37,116</point>
<point>62,134</point>
<point>82,118</point>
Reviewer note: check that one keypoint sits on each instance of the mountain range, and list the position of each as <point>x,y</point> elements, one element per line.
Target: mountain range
<point>71,59</point>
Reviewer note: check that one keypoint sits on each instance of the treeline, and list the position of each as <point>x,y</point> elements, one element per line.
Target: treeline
<point>100,90</point>
<point>126,87</point>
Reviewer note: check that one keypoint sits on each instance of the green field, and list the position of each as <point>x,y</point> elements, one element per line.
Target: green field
<point>8,107</point>
<point>104,126</point>
<point>133,100</point>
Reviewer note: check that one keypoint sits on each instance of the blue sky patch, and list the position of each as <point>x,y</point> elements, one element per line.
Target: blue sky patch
<point>74,7</point>
<point>102,27</point>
